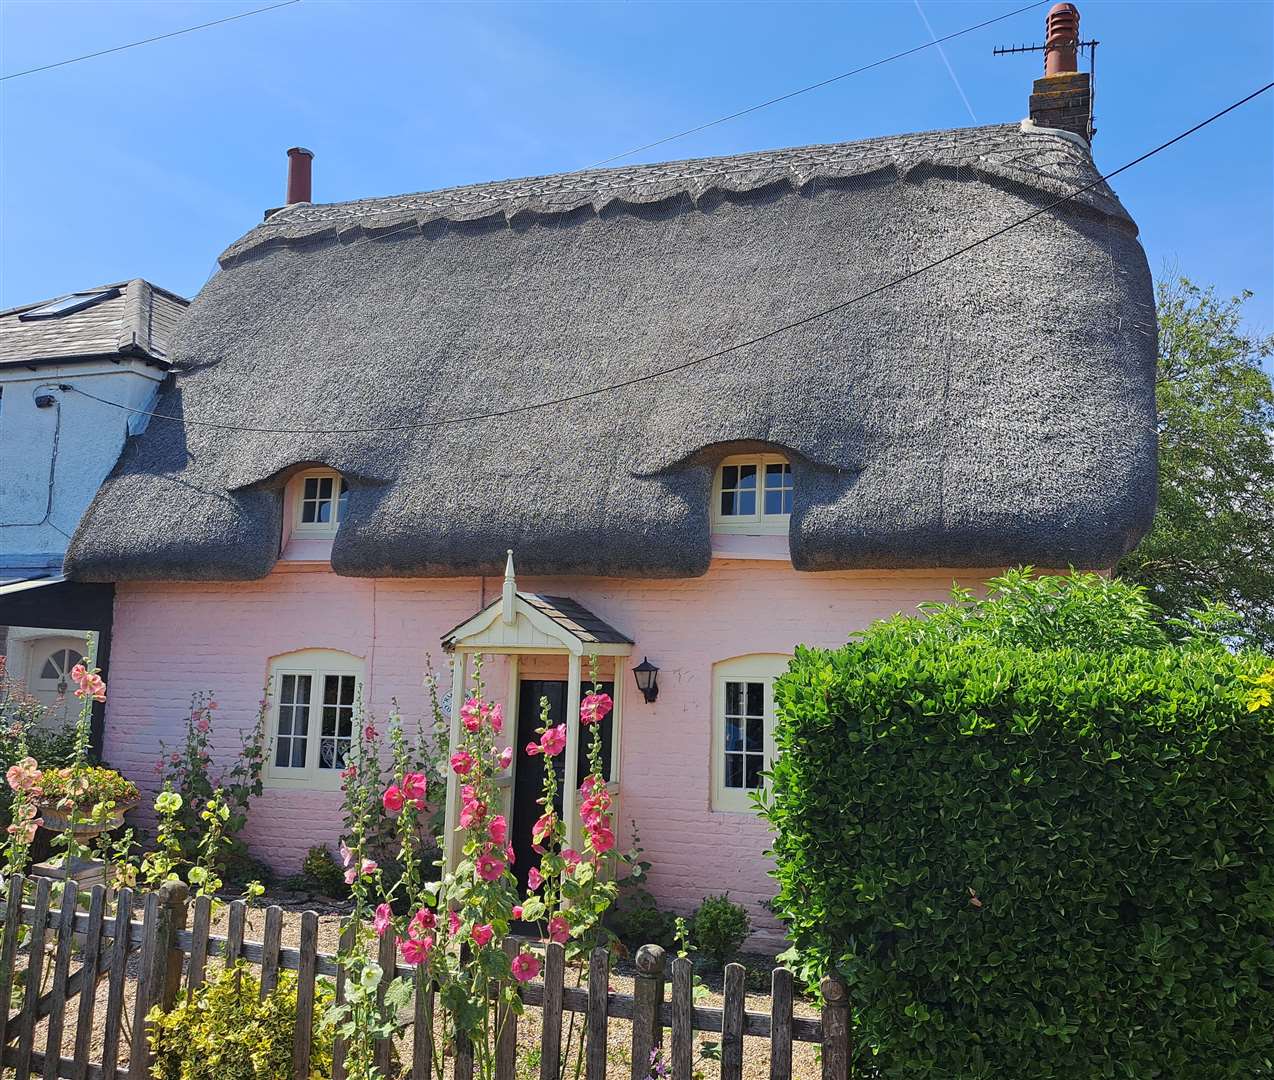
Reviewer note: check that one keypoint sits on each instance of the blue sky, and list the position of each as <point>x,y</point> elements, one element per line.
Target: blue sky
<point>149,162</point>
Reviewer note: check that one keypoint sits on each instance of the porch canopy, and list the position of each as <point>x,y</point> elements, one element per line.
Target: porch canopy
<point>519,624</point>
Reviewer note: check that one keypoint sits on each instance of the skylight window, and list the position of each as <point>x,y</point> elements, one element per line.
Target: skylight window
<point>66,305</point>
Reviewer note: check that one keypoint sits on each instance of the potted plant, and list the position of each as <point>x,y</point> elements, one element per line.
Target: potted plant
<point>87,799</point>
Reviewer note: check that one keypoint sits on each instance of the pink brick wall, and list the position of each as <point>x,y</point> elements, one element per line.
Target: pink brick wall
<point>170,639</point>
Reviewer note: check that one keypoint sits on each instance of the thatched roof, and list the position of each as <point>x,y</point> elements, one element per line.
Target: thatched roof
<point>996,410</point>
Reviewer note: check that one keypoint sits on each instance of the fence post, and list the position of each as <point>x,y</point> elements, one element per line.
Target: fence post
<point>835,1028</point>
<point>173,896</point>
<point>648,996</point>
<point>160,976</point>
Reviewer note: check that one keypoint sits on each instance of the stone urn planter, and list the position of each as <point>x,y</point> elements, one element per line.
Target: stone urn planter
<point>56,821</point>
<point>88,786</point>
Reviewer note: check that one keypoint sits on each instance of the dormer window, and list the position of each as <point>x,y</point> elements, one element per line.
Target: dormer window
<point>319,502</point>
<point>753,494</point>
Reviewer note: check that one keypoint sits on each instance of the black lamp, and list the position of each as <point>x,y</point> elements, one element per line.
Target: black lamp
<point>647,676</point>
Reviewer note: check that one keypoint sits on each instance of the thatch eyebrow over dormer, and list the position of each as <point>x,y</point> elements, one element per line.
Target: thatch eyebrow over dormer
<point>998,409</point>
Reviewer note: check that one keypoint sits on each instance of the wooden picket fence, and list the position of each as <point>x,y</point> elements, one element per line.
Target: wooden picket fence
<point>166,952</point>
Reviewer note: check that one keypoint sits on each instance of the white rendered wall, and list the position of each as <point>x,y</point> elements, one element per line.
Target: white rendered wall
<point>89,438</point>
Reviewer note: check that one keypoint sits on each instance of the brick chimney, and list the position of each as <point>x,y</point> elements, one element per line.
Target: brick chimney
<point>299,163</point>
<point>1064,97</point>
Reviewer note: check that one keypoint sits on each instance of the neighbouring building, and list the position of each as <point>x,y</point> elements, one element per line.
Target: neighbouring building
<point>61,361</point>
<point>353,438</point>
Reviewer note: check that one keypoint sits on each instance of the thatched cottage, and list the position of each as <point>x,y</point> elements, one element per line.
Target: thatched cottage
<point>373,401</point>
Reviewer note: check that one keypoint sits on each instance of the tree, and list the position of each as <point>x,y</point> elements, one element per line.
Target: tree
<point>1213,534</point>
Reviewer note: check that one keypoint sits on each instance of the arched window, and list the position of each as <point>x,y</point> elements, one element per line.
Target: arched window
<point>742,726</point>
<point>316,697</point>
<point>319,498</point>
<point>752,494</point>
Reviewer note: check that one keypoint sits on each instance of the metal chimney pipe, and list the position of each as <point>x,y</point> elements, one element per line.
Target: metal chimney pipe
<point>299,178</point>
<point>1061,36</point>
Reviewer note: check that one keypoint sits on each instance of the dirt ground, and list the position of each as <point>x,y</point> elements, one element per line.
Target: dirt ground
<point>756,1051</point>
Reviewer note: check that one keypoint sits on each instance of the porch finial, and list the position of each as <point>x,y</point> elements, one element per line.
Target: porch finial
<point>508,613</point>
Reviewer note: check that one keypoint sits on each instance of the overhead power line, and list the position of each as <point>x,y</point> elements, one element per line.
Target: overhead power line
<point>684,365</point>
<point>147,41</point>
<point>936,41</point>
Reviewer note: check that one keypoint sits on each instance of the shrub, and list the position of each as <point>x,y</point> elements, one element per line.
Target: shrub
<point>719,927</point>
<point>323,872</point>
<point>224,1031</point>
<point>1035,839</point>
<point>637,920</point>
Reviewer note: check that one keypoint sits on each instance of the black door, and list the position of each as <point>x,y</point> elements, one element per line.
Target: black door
<point>528,783</point>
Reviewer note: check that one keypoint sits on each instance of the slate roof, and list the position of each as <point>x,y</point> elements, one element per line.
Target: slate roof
<point>997,409</point>
<point>568,613</point>
<point>131,318</point>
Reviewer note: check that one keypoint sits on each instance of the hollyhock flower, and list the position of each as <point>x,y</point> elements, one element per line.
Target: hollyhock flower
<point>349,772</point>
<point>506,757</point>
<point>416,950</point>
<point>175,759</point>
<point>559,929</point>
<point>482,934</point>
<point>594,707</point>
<point>553,741</point>
<point>472,812</point>
<point>526,966</point>
<point>509,854</point>
<point>498,830</point>
<point>78,672</point>
<point>602,840</point>
<point>24,775</point>
<point>370,734</point>
<point>461,762</point>
<point>534,880</point>
<point>368,866</point>
<point>543,827</point>
<point>393,798</point>
<point>471,715</point>
<point>496,717</point>
<point>421,922</point>
<point>381,922</point>
<point>347,856</point>
<point>414,785</point>
<point>489,867</point>
<point>532,749</point>
<point>453,922</point>
<point>202,725</point>
<point>517,911</point>
<point>571,857</point>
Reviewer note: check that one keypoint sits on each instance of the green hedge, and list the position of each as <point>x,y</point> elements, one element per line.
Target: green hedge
<point>1031,861</point>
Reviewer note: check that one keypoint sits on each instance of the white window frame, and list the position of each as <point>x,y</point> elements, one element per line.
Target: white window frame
<point>756,667</point>
<point>317,664</point>
<point>760,522</point>
<point>316,529</point>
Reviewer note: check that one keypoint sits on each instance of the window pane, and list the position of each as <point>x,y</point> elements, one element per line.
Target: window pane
<point>298,753</point>
<point>729,476</point>
<point>746,504</point>
<point>49,671</point>
<point>331,689</point>
<point>282,753</point>
<point>311,488</point>
<point>347,690</point>
<point>329,720</point>
<point>733,698</point>
<point>756,699</point>
<point>322,512</point>
<point>733,734</point>
<point>734,770</point>
<point>756,733</point>
<point>747,477</point>
<point>728,504</point>
<point>755,763</point>
<point>307,512</point>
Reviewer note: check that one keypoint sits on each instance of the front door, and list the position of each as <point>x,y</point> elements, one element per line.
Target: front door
<point>528,782</point>
<point>49,675</point>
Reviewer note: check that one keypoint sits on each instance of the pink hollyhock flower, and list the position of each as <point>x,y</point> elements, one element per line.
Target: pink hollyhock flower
<point>571,857</point>
<point>175,759</point>
<point>506,757</point>
<point>471,715</point>
<point>543,827</point>
<point>559,929</point>
<point>532,749</point>
<point>349,772</point>
<point>202,725</point>
<point>159,767</point>
<point>414,785</point>
<point>461,762</point>
<point>347,856</point>
<point>489,867</point>
<point>496,717</point>
<point>79,672</point>
<point>24,775</point>
<point>594,707</point>
<point>368,866</point>
<point>553,741</point>
<point>482,934</point>
<point>393,798</point>
<point>534,880</point>
<point>509,854</point>
<point>517,911</point>
<point>370,734</point>
<point>602,840</point>
<point>526,966</point>
<point>498,830</point>
<point>422,921</point>
<point>381,922</point>
<point>416,950</point>
<point>453,922</point>
<point>471,813</point>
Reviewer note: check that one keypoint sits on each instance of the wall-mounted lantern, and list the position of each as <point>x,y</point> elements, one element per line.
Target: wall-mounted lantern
<point>647,676</point>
